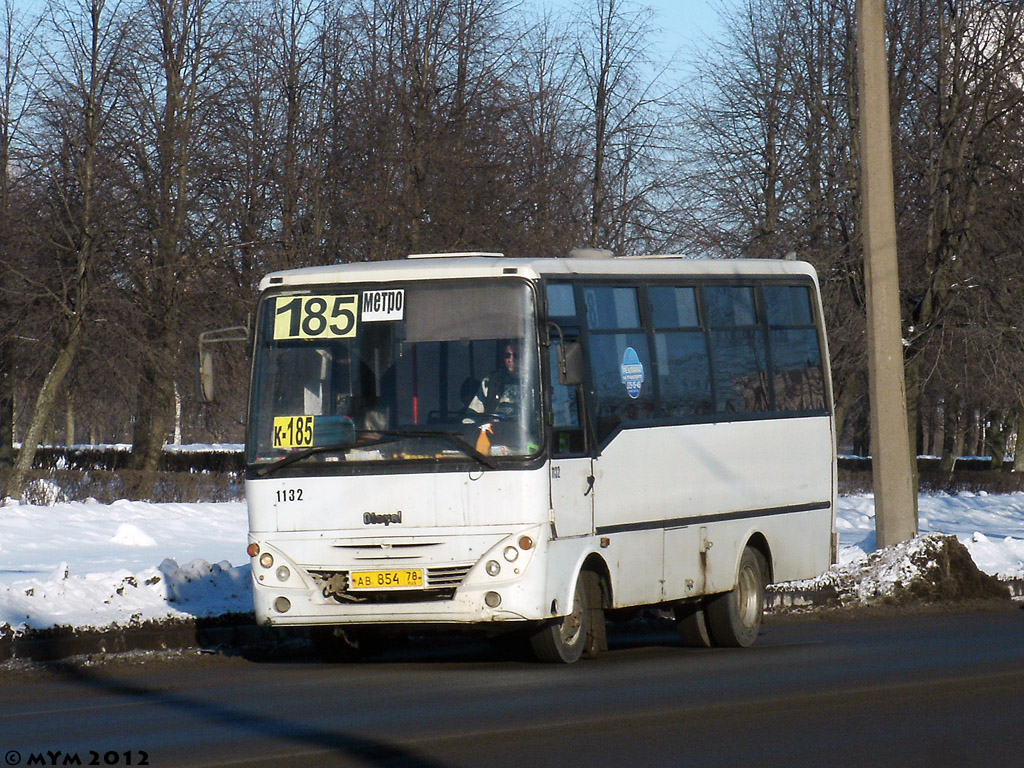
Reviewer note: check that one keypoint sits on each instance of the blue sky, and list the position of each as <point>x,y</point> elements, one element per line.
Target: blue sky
<point>685,19</point>
<point>683,23</point>
<point>680,24</point>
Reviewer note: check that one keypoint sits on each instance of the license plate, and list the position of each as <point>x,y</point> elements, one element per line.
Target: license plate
<point>409,578</point>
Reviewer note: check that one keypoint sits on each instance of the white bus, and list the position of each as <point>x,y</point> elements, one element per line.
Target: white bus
<point>467,440</point>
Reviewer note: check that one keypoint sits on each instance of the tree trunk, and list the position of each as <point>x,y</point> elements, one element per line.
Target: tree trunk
<point>842,408</point>
<point>862,434</point>
<point>46,400</point>
<point>952,434</point>
<point>974,434</point>
<point>177,414</point>
<point>912,372</point>
<point>69,422</point>
<point>1018,453</point>
<point>929,431</point>
<point>7,456</point>
<point>999,437</point>
<point>153,415</point>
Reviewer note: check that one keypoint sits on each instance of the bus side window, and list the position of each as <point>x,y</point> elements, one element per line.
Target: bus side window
<point>739,360</point>
<point>799,377</point>
<point>681,350</point>
<point>620,361</point>
<point>567,427</point>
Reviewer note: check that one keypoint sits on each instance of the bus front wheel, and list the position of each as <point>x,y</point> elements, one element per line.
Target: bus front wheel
<point>562,640</point>
<point>734,618</point>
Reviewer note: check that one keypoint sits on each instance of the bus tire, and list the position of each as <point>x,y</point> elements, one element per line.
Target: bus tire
<point>563,640</point>
<point>734,618</point>
<point>597,626</point>
<point>692,625</point>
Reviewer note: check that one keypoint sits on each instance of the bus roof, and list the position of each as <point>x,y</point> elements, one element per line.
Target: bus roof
<point>434,266</point>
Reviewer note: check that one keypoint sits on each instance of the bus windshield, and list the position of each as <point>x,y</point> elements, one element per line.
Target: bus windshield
<point>437,371</point>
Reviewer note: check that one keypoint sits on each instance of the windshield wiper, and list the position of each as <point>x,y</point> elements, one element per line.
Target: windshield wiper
<point>385,436</point>
<point>455,440</point>
<point>305,453</point>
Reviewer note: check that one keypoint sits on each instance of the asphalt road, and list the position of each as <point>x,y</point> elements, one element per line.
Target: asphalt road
<point>931,690</point>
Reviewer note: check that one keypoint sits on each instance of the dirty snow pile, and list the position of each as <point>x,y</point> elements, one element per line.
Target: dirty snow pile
<point>930,567</point>
<point>86,564</point>
<point>967,541</point>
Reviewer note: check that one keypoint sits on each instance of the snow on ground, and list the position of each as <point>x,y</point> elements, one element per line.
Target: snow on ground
<point>86,564</point>
<point>990,526</point>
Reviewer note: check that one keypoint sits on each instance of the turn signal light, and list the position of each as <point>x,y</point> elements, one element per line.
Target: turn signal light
<point>525,542</point>
<point>253,549</point>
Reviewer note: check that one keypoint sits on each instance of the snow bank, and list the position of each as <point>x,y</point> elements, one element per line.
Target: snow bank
<point>92,565</point>
<point>85,564</point>
<point>931,567</point>
<point>990,526</point>
<point>125,598</point>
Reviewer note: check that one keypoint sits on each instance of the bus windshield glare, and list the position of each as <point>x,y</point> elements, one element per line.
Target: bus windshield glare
<point>365,373</point>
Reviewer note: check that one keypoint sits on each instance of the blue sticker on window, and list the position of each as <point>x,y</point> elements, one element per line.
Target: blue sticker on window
<point>632,373</point>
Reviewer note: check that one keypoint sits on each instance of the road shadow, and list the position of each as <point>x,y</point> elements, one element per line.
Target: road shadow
<point>446,647</point>
<point>330,745</point>
<point>341,747</point>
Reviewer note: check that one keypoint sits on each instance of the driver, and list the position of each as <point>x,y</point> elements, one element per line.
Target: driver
<point>501,393</point>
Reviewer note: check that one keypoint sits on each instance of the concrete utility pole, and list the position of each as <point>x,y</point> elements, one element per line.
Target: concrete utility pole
<point>891,456</point>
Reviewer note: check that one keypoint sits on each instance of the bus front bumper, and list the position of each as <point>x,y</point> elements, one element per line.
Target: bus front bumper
<point>456,585</point>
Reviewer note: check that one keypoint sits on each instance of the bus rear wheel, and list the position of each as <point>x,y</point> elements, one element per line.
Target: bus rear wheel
<point>734,618</point>
<point>563,640</point>
<point>692,625</point>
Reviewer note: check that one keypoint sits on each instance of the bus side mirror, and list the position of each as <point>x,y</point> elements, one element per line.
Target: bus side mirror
<point>570,364</point>
<point>206,391</point>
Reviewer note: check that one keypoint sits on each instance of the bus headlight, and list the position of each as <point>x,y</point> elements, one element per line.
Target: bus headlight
<point>492,599</point>
<point>511,554</point>
<point>266,560</point>
<point>283,573</point>
<point>493,568</point>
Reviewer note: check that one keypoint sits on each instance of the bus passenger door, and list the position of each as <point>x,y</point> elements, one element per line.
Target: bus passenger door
<point>572,471</point>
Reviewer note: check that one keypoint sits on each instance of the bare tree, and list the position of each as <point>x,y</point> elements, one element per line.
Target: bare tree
<point>421,146</point>
<point>550,150</point>
<point>244,146</point>
<point>963,105</point>
<point>747,123</point>
<point>774,117</point>
<point>18,38</point>
<point>626,120</point>
<point>179,44</point>
<point>78,106</point>
<point>294,46</point>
